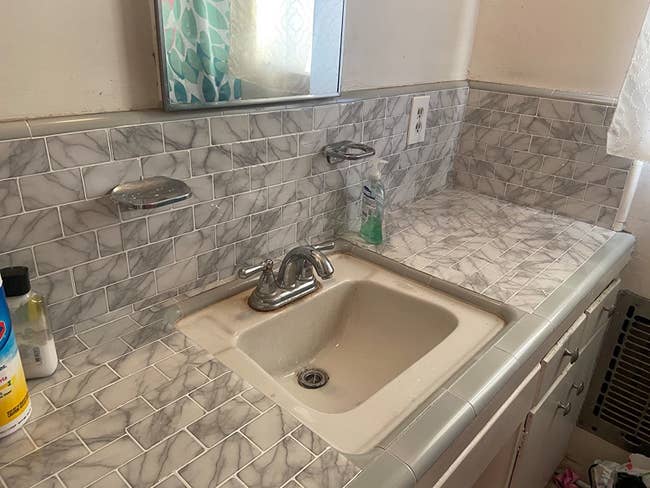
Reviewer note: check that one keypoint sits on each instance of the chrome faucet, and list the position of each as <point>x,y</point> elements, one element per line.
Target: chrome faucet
<point>294,280</point>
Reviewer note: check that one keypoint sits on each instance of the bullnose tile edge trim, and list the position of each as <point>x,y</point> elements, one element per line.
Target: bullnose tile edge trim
<point>531,91</point>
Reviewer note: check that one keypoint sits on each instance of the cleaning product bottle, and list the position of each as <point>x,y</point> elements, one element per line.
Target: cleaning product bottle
<point>31,326</point>
<point>15,405</point>
<point>372,205</point>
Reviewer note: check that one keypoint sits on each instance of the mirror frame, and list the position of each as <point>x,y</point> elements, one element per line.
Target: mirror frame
<point>174,107</point>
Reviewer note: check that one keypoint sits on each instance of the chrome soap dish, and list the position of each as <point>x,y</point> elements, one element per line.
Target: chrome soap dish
<point>347,151</point>
<point>151,192</point>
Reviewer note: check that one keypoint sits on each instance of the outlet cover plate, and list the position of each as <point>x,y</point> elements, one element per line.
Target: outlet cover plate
<point>418,119</point>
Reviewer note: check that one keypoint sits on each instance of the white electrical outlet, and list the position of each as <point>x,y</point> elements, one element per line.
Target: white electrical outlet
<point>418,119</point>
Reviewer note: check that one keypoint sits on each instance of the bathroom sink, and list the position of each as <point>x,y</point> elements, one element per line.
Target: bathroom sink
<point>363,334</point>
<point>368,347</point>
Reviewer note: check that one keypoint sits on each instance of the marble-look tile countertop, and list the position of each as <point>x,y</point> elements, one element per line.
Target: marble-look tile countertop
<point>513,254</point>
<point>141,406</point>
<point>135,404</point>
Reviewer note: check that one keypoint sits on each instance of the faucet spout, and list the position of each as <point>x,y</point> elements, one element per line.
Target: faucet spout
<point>321,263</point>
<point>296,264</point>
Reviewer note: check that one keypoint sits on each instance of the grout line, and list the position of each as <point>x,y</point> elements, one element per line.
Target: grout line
<point>295,476</point>
<point>128,485</point>
<point>177,476</point>
<point>29,437</point>
<point>20,195</point>
<point>47,153</point>
<point>29,128</point>
<point>205,412</point>
<point>137,443</point>
<point>153,409</point>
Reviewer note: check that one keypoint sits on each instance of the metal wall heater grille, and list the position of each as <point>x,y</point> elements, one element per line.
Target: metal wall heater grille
<point>617,408</point>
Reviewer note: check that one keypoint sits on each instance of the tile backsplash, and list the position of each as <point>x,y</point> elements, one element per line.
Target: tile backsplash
<point>541,152</point>
<point>259,185</point>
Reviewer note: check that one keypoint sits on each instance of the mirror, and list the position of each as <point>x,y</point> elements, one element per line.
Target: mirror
<point>237,52</point>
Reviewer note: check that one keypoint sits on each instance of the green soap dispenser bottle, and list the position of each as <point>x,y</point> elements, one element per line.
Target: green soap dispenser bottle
<point>372,205</point>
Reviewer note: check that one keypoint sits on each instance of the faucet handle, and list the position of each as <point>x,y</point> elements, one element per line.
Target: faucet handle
<point>324,246</point>
<point>264,267</point>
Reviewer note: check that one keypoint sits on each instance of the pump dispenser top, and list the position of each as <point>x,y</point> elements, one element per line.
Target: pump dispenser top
<point>374,171</point>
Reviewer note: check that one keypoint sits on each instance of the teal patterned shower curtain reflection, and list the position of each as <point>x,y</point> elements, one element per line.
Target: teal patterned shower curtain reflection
<point>197,42</point>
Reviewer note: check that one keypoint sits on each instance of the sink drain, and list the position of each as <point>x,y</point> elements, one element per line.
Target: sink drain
<point>312,378</point>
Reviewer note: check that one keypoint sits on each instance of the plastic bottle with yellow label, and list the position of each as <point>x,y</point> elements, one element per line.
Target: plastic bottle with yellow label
<point>15,405</point>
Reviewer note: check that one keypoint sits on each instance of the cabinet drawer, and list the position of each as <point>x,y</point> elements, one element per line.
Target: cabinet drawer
<point>601,310</point>
<point>565,352</point>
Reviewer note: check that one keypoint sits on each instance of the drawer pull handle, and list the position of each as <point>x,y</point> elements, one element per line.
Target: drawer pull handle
<point>579,388</point>
<point>565,407</point>
<point>574,355</point>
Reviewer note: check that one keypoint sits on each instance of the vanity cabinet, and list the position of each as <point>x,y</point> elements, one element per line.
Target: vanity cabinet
<point>525,440</point>
<point>550,423</point>
<point>568,368</point>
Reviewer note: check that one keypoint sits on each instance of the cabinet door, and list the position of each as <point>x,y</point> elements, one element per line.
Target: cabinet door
<point>548,428</point>
<point>499,471</point>
<point>494,447</point>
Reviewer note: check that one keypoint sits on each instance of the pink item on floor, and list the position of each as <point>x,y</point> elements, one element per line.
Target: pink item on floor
<point>567,479</point>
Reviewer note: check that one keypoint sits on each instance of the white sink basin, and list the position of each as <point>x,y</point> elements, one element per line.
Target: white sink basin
<point>363,333</point>
<point>386,342</point>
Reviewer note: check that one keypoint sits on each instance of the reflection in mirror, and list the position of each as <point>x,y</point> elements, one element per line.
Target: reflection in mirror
<point>228,52</point>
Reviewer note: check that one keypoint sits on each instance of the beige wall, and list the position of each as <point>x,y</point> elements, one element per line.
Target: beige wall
<point>571,45</point>
<point>636,276</point>
<point>86,56</point>
<point>389,43</point>
<point>76,56</point>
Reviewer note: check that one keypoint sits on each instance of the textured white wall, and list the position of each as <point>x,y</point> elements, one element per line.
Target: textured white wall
<point>389,43</point>
<point>578,45</point>
<point>86,56</point>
